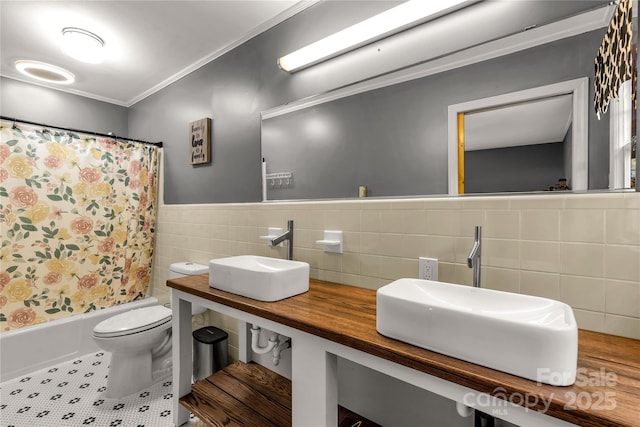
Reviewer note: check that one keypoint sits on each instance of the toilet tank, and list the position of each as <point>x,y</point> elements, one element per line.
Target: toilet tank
<point>186,268</point>
<point>182,269</point>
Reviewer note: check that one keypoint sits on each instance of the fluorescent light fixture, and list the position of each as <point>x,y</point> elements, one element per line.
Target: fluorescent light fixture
<point>82,45</point>
<point>45,72</point>
<point>379,26</point>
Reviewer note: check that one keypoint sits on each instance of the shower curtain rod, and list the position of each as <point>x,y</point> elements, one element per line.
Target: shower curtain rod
<point>106,135</point>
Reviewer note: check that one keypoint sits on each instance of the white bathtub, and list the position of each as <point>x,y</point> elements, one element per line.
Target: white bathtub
<point>36,347</point>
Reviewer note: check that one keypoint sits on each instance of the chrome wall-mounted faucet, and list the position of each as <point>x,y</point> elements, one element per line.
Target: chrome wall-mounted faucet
<point>288,235</point>
<point>474,258</point>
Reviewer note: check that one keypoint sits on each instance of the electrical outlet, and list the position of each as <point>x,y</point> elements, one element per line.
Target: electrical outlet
<point>427,268</point>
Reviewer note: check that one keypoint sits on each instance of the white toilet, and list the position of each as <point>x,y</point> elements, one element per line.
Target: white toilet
<point>140,341</point>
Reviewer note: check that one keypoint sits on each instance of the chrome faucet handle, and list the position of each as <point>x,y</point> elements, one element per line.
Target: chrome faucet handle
<point>287,235</point>
<point>473,255</point>
<point>473,260</point>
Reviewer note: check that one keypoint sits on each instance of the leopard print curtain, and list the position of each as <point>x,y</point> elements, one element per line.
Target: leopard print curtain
<point>613,62</point>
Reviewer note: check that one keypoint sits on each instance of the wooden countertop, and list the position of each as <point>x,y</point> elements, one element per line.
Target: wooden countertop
<point>607,392</point>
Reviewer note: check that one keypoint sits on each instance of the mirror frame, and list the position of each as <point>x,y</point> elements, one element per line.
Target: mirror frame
<point>579,88</point>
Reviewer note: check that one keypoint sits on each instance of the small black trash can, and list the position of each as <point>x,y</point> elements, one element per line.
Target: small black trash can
<point>210,352</point>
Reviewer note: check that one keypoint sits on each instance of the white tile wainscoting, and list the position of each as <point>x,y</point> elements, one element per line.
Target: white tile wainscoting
<point>582,249</point>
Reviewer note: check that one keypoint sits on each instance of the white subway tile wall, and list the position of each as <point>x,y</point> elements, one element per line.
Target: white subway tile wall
<point>580,249</point>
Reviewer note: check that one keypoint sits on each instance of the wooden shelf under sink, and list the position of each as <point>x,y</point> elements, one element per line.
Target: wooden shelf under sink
<point>248,394</point>
<point>242,394</point>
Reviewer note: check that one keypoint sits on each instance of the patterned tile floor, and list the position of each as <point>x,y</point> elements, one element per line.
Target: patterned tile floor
<point>72,394</point>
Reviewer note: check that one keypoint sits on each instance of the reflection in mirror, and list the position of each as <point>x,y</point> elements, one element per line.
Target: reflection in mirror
<point>521,141</point>
<point>622,157</point>
<point>523,144</point>
<point>390,133</point>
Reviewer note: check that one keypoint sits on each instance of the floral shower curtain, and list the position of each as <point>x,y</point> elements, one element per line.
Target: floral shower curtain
<point>77,220</point>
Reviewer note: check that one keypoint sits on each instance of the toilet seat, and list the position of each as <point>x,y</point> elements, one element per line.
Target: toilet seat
<point>133,322</point>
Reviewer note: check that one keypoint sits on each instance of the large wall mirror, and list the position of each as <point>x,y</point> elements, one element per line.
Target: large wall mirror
<point>394,134</point>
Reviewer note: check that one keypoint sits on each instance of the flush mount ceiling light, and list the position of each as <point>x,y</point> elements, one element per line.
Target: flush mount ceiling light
<point>375,28</point>
<point>82,45</point>
<point>45,72</point>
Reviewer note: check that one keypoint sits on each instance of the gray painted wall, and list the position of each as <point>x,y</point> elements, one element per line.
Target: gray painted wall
<point>523,168</point>
<point>43,105</point>
<point>236,87</point>
<point>394,139</point>
<point>390,402</point>
<point>233,90</point>
<point>379,139</point>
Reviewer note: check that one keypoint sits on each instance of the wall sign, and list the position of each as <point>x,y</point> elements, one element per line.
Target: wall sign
<point>200,141</point>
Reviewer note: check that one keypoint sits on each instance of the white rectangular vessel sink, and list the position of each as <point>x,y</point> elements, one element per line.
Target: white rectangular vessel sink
<point>531,337</point>
<point>260,278</point>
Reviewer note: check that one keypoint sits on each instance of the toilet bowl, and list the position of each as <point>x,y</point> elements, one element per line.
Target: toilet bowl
<point>140,342</point>
<point>140,345</point>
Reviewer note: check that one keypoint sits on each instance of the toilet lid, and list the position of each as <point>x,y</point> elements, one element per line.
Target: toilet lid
<point>133,321</point>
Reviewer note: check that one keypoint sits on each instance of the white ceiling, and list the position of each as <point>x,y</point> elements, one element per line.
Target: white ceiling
<point>148,44</point>
<point>540,121</point>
